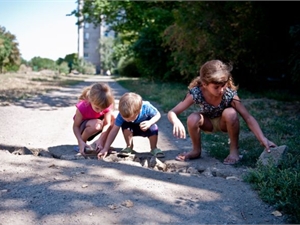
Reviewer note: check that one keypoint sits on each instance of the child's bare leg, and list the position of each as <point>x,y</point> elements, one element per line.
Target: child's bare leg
<point>153,141</point>
<point>193,123</point>
<point>230,117</point>
<point>128,138</point>
<point>92,127</point>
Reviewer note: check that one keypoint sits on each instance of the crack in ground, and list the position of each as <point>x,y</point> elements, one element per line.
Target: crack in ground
<point>144,160</point>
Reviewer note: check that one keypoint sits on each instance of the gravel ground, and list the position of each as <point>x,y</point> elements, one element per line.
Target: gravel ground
<point>53,185</point>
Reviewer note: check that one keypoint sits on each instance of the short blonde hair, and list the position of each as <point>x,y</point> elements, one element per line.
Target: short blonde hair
<point>99,95</point>
<point>214,71</point>
<point>130,104</point>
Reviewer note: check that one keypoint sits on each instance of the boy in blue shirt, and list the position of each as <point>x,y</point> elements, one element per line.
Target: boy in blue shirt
<point>137,118</point>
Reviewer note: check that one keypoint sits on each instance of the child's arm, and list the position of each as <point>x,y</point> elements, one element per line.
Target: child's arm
<point>109,140</point>
<point>178,128</point>
<point>107,124</point>
<point>252,124</point>
<point>76,130</point>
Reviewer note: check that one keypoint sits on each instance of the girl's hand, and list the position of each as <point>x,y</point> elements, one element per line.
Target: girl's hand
<point>179,130</point>
<point>267,144</point>
<point>102,154</point>
<point>82,147</point>
<point>97,146</point>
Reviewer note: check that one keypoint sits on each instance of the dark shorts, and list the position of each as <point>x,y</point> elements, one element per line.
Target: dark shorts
<point>136,130</point>
<point>83,125</point>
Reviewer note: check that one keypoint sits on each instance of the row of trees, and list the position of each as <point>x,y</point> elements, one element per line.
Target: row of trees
<point>169,40</point>
<point>65,65</point>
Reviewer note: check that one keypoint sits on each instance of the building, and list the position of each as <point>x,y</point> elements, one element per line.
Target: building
<point>89,41</point>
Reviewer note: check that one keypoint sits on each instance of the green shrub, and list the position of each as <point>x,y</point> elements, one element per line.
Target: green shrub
<point>128,68</point>
<point>84,67</point>
<point>63,68</point>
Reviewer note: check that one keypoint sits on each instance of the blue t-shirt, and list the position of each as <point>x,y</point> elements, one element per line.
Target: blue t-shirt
<point>147,112</point>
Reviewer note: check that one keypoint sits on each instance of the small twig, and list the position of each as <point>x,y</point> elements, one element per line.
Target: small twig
<point>243,215</point>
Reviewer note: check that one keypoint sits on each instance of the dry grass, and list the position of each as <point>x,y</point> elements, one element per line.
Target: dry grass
<point>15,86</point>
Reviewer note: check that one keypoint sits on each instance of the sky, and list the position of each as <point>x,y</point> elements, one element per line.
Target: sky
<point>42,27</point>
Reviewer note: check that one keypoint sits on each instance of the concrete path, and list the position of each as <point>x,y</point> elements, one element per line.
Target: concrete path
<point>47,190</point>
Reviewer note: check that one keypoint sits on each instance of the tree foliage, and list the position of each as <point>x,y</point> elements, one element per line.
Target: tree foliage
<point>66,65</point>
<point>9,51</point>
<point>106,53</point>
<point>39,63</point>
<point>69,59</point>
<point>202,31</point>
<point>172,39</point>
<point>140,26</point>
<point>294,59</point>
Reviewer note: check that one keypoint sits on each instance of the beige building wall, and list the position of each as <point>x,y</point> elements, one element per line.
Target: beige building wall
<point>88,42</point>
<point>91,40</point>
<point>80,33</point>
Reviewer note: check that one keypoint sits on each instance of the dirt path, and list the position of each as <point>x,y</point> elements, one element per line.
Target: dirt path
<point>67,189</point>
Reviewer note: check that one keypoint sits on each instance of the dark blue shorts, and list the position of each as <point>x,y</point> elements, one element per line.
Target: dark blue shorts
<point>136,130</point>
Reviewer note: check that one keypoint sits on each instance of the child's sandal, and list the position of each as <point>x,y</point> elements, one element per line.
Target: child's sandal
<point>125,151</point>
<point>158,153</point>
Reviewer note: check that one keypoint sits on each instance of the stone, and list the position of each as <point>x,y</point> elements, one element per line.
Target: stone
<point>22,151</point>
<point>44,153</point>
<point>274,156</point>
<point>192,170</point>
<point>160,165</point>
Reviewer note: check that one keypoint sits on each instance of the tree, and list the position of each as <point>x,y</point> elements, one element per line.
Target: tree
<point>209,30</point>
<point>70,59</point>
<point>250,35</point>
<point>9,52</point>
<point>39,63</point>
<point>106,53</point>
<point>294,59</point>
<point>138,25</point>
<point>172,39</point>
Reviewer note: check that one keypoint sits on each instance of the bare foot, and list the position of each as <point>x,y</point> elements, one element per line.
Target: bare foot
<point>231,160</point>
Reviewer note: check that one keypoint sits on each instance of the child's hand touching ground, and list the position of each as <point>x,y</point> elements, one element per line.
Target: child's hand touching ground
<point>268,144</point>
<point>102,154</point>
<point>82,147</point>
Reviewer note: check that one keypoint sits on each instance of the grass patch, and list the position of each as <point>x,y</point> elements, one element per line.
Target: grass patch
<point>278,116</point>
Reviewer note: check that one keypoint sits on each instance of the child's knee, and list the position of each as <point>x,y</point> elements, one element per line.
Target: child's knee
<point>194,120</point>
<point>154,129</point>
<point>98,126</point>
<point>230,113</point>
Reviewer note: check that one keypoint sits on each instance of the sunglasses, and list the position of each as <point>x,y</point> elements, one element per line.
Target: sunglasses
<point>222,83</point>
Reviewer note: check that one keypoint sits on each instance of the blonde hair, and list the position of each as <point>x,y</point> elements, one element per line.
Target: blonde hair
<point>98,94</point>
<point>130,104</point>
<point>216,72</point>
